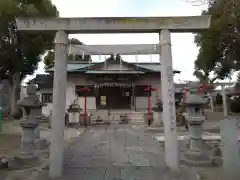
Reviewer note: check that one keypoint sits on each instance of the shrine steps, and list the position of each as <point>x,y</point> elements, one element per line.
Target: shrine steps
<point>115,116</point>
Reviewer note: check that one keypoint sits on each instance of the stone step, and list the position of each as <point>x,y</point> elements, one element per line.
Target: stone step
<point>135,117</point>
<point>125,112</point>
<point>136,122</point>
<point>116,117</point>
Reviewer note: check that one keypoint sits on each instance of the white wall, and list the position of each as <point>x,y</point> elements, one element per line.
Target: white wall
<point>91,103</point>
<point>70,97</point>
<point>142,102</point>
<point>73,80</point>
<point>70,93</point>
<point>46,110</point>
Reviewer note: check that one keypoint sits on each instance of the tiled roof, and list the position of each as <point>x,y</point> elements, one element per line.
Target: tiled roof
<point>151,66</point>
<point>43,78</point>
<point>113,72</point>
<point>76,66</point>
<point>79,66</point>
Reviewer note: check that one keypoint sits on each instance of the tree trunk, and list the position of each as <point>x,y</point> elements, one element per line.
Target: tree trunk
<point>15,94</point>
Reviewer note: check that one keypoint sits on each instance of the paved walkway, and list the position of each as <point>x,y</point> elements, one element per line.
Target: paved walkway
<point>116,152</point>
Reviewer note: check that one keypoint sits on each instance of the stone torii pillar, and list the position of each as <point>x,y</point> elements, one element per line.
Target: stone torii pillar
<point>59,103</point>
<point>224,99</point>
<point>168,97</point>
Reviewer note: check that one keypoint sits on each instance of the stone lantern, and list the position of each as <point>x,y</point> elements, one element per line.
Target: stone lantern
<point>33,107</point>
<point>30,121</point>
<point>194,104</point>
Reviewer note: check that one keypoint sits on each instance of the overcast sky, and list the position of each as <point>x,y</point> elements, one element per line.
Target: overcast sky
<point>183,48</point>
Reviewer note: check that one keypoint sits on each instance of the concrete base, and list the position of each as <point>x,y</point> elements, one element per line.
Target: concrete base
<point>196,158</point>
<point>182,174</point>
<point>146,121</point>
<point>23,161</point>
<point>42,144</point>
<point>82,122</point>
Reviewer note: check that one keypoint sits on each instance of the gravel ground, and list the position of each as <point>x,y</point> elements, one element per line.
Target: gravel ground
<point>9,142</point>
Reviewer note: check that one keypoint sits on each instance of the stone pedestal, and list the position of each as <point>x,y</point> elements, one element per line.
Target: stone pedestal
<point>195,154</point>
<point>157,119</point>
<point>26,158</point>
<point>41,143</point>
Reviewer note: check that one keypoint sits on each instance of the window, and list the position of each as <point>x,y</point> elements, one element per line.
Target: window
<point>46,97</point>
<point>103,101</point>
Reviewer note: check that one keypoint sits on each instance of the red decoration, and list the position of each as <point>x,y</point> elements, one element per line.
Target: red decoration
<point>149,89</point>
<point>202,87</point>
<point>85,89</point>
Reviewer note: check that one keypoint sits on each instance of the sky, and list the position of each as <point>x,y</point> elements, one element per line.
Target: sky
<point>184,51</point>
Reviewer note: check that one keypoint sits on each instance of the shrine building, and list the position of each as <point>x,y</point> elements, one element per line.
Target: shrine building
<point>113,84</point>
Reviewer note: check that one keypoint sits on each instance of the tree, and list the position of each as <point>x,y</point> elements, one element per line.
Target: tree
<point>21,52</point>
<point>218,45</point>
<point>49,58</point>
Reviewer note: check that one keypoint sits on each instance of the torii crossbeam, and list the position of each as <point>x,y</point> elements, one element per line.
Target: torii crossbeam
<point>123,49</point>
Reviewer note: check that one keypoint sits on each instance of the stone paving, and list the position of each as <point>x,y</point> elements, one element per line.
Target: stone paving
<point>117,152</point>
<point>12,129</point>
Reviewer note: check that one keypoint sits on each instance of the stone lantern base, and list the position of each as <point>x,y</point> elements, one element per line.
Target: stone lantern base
<point>196,158</point>
<point>40,143</point>
<point>196,154</point>
<point>27,157</point>
<point>23,161</point>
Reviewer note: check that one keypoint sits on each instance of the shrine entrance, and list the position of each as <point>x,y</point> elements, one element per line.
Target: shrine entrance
<point>114,97</point>
<point>162,25</point>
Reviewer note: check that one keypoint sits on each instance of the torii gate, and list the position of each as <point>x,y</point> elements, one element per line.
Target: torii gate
<point>122,49</point>
<point>162,25</point>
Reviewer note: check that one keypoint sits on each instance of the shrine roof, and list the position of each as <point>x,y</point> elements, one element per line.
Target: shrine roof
<point>79,66</point>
